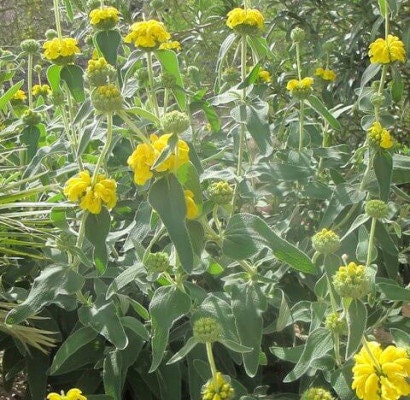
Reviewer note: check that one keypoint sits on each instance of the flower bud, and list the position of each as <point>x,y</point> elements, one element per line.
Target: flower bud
<point>175,122</point>
<point>157,262</point>
<point>376,209</point>
<point>336,323</point>
<point>107,98</point>
<point>351,281</point>
<point>315,393</point>
<point>30,46</point>
<point>220,192</point>
<point>207,330</point>
<point>297,35</point>
<point>217,388</point>
<point>99,72</point>
<point>31,117</point>
<point>377,99</point>
<point>38,68</point>
<point>326,241</point>
<point>51,34</point>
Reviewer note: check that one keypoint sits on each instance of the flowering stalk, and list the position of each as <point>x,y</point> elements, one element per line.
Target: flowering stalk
<point>211,359</point>
<point>371,242</point>
<point>133,127</point>
<point>151,92</point>
<point>105,149</point>
<point>30,79</point>
<point>56,8</point>
<point>301,102</point>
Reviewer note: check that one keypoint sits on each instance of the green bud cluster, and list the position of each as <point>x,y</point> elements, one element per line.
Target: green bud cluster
<point>326,241</point>
<point>351,281</point>
<point>316,394</point>
<point>30,46</point>
<point>51,34</point>
<point>376,209</point>
<point>100,73</point>
<point>31,117</point>
<point>175,122</point>
<point>207,330</point>
<point>220,192</point>
<point>336,323</point>
<point>157,262</point>
<point>107,98</point>
<point>297,35</point>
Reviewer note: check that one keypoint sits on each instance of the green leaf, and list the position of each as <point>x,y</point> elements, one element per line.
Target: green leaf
<point>169,62</point>
<point>356,324</point>
<point>321,109</point>
<point>341,381</point>
<point>72,75</point>
<point>259,46</point>
<point>167,151</point>
<point>255,116</point>
<point>235,346</point>
<point>53,282</point>
<point>360,220</point>
<point>383,7</point>
<point>209,111</point>
<point>401,169</point>
<point>73,344</point>
<point>397,86</point>
<point>251,77</point>
<point>383,167</point>
<point>223,51</point>
<point>9,94</point>
<point>124,278</point>
<point>30,136</point>
<point>53,77</point>
<point>370,72</point>
<point>168,304</point>
<point>37,364</point>
<point>141,112</point>
<point>393,292</point>
<point>112,375</point>
<point>166,196</point>
<point>107,42</point>
<point>317,346</point>
<point>189,178</point>
<point>185,349</point>
<point>400,338</point>
<point>246,233</point>
<point>248,304</point>
<point>104,320</point>
<point>97,227</point>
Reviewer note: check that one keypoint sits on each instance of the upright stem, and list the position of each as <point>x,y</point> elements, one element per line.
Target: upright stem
<point>211,358</point>
<point>371,242</point>
<point>151,93</point>
<point>30,79</point>
<point>56,8</point>
<point>133,127</point>
<point>298,66</point>
<point>102,157</point>
<point>301,118</point>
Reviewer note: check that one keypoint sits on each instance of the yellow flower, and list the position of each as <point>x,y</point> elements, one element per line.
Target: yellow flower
<point>107,98</point>
<point>104,18</point>
<point>61,51</point>
<point>191,207</point>
<point>174,45</point>
<point>41,90</point>
<point>300,88</point>
<point>144,156</point>
<point>264,76</point>
<point>20,95</point>
<point>91,198</point>
<point>380,136</point>
<point>381,374</point>
<point>249,21</point>
<point>326,74</point>
<point>326,241</point>
<point>383,51</point>
<point>147,34</point>
<point>217,388</point>
<point>72,394</point>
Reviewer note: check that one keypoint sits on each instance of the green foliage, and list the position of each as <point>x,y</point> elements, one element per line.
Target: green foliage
<point>81,279</point>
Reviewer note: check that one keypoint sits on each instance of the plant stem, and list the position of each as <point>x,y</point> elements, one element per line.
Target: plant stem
<point>133,127</point>
<point>298,66</point>
<point>301,118</point>
<point>211,359</point>
<point>366,346</point>
<point>103,155</point>
<point>371,242</point>
<point>30,79</point>
<point>56,8</point>
<point>151,92</point>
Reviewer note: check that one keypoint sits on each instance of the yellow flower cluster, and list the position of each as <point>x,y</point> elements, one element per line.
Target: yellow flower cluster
<point>381,374</point>
<point>326,241</point>
<point>302,84</point>
<point>326,74</point>
<point>217,388</point>
<point>41,90</point>
<point>144,156</point>
<point>104,17</point>
<point>91,197</point>
<point>383,51</point>
<point>264,76</point>
<point>241,19</point>
<point>61,51</point>
<point>191,207</point>
<point>147,34</point>
<point>20,95</point>
<point>380,136</point>
<point>72,394</point>
<point>173,45</point>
